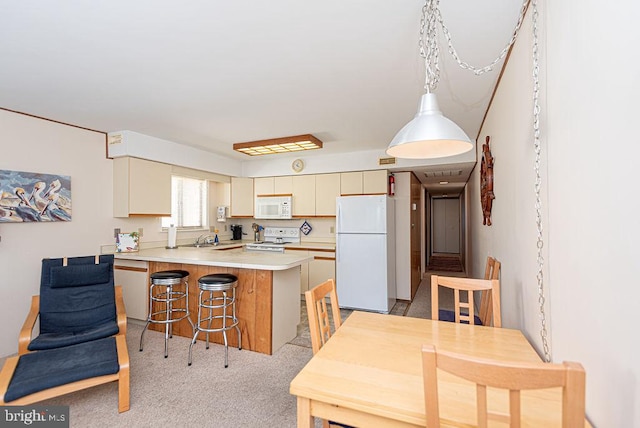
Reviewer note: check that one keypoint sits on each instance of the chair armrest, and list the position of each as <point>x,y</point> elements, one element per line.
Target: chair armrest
<point>121,312</point>
<point>27,328</point>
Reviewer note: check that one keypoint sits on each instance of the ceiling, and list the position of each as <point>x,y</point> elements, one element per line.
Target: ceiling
<point>210,73</point>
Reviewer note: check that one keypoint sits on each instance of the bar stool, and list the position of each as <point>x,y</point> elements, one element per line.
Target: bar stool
<point>163,292</point>
<point>218,286</point>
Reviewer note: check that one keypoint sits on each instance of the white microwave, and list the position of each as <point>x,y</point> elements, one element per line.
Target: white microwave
<point>273,207</point>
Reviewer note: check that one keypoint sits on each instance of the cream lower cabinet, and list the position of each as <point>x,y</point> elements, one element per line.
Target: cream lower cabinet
<point>321,268</point>
<point>133,276</point>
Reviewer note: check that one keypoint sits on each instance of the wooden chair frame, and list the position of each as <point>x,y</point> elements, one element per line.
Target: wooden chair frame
<point>469,285</point>
<point>513,376</point>
<point>122,377</point>
<point>491,271</point>
<point>319,326</point>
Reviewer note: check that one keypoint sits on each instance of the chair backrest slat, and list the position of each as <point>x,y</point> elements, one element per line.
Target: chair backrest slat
<point>318,313</point>
<point>468,285</point>
<point>513,376</point>
<point>491,271</point>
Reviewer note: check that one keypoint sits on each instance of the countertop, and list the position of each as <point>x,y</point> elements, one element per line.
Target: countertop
<point>210,256</point>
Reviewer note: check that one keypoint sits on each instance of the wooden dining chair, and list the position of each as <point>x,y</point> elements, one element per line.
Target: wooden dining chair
<point>468,285</point>
<point>318,314</point>
<point>491,271</point>
<point>513,376</point>
<point>319,325</point>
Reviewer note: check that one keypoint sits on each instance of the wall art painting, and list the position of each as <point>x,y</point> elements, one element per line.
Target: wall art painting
<point>32,196</point>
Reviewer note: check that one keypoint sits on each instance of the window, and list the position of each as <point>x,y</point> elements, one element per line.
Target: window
<point>188,203</point>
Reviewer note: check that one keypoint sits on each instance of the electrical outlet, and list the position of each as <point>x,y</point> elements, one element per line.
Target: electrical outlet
<point>212,229</point>
<point>332,229</point>
<point>140,232</point>
<point>225,227</point>
<point>115,232</point>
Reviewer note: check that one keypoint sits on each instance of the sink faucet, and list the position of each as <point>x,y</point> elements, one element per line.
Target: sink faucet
<point>205,238</point>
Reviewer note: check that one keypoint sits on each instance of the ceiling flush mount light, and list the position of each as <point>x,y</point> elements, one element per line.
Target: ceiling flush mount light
<point>430,134</point>
<point>296,143</point>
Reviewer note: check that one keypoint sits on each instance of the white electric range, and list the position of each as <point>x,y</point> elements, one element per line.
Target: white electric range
<point>275,238</point>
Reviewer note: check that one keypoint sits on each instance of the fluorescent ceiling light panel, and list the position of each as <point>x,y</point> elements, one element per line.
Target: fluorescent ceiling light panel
<point>279,145</point>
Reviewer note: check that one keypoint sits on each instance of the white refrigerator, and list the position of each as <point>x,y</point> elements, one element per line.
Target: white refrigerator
<point>365,252</point>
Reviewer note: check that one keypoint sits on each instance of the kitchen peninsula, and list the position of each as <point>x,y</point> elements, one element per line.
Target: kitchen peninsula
<point>268,293</point>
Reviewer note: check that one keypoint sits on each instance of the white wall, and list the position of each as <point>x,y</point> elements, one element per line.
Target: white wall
<point>402,203</point>
<point>37,145</point>
<point>590,155</point>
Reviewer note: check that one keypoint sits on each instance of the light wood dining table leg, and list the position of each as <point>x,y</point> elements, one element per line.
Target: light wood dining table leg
<point>305,420</point>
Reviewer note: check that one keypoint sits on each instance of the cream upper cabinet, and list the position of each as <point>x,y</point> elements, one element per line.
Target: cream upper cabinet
<point>242,197</point>
<point>327,190</point>
<point>283,185</point>
<point>273,185</point>
<point>364,182</point>
<point>263,186</point>
<point>141,187</point>
<point>351,183</point>
<point>375,182</point>
<point>304,195</point>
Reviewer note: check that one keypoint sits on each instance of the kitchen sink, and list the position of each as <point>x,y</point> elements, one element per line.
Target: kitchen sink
<point>219,244</point>
<point>195,245</point>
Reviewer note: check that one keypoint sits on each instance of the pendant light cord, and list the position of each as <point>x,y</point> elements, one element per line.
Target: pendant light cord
<point>537,147</point>
<point>429,51</point>
<point>428,43</point>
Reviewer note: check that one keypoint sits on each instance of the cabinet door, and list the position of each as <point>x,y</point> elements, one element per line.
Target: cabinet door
<point>327,190</point>
<point>149,187</point>
<point>141,187</point>
<point>304,195</point>
<point>263,186</point>
<point>375,182</point>
<point>283,185</point>
<point>241,197</point>
<point>304,269</point>
<point>322,267</point>
<point>132,275</point>
<point>351,183</point>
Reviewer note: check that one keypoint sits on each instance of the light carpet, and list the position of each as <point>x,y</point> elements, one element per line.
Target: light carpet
<point>252,392</point>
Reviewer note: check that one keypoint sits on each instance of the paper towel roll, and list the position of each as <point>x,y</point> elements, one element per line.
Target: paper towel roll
<point>171,237</point>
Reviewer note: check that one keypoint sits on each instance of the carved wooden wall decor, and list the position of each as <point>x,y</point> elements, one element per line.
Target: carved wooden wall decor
<point>486,183</point>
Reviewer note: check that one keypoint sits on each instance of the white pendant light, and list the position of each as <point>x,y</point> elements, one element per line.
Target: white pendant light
<point>429,134</point>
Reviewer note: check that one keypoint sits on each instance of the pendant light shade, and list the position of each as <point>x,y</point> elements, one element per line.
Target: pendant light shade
<point>429,134</point>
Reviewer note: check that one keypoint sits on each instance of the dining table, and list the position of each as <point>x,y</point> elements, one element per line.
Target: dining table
<point>369,374</point>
